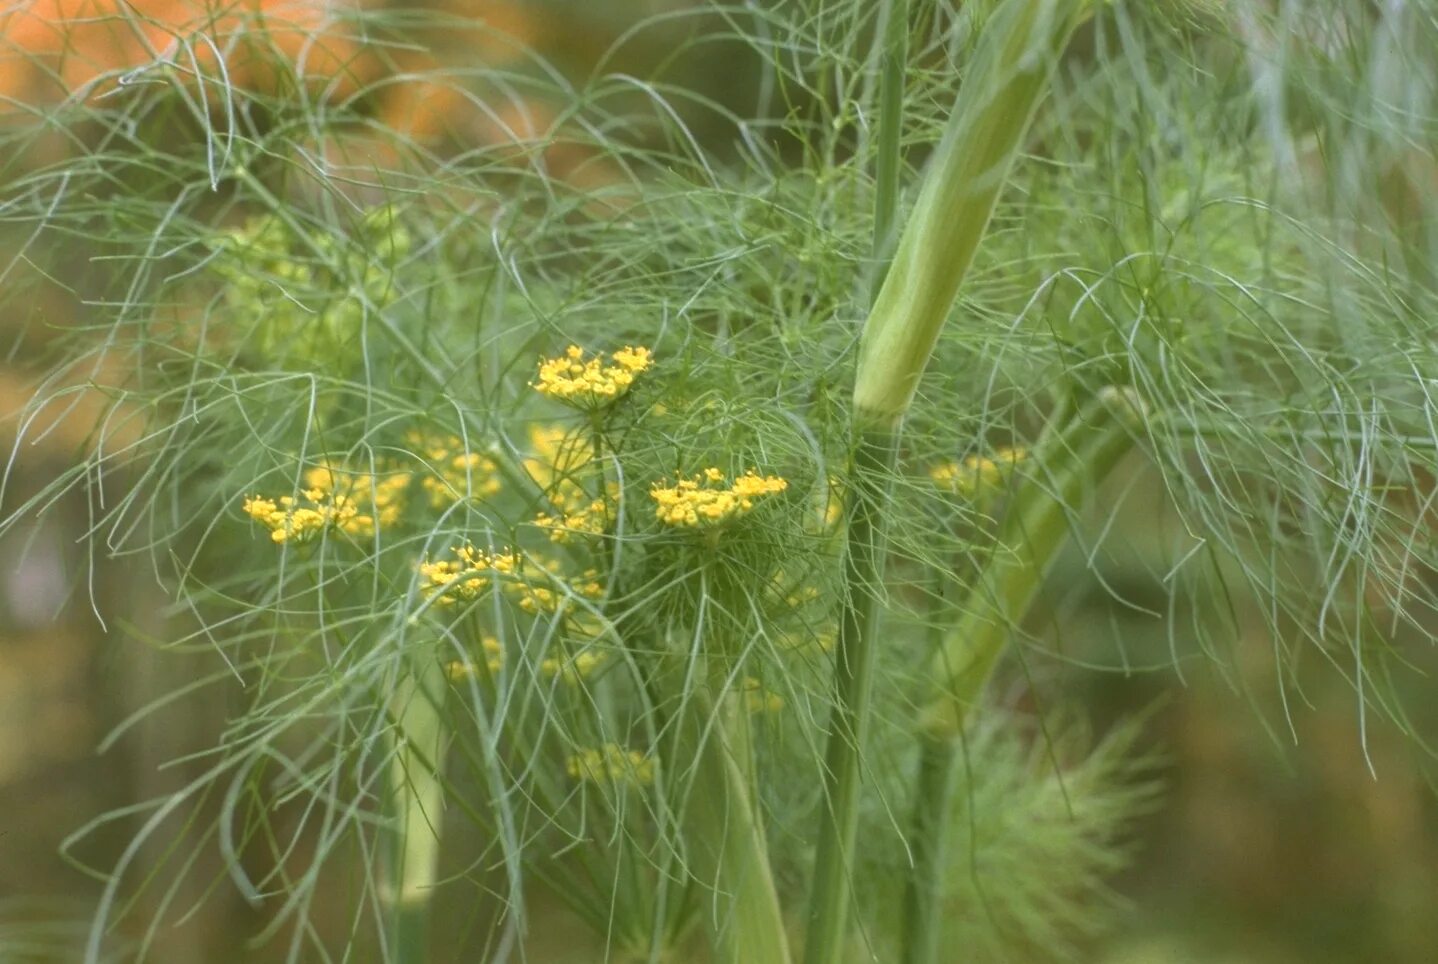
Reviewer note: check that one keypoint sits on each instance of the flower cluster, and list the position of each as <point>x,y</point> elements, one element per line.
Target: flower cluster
<point>558,465</point>
<point>613,765</point>
<point>757,699</point>
<point>706,500</point>
<point>573,670</point>
<point>557,454</point>
<point>384,492</point>
<point>493,651</point>
<point>788,593</point>
<point>977,473</point>
<point>535,588</point>
<point>540,594</point>
<point>575,513</point>
<point>470,573</point>
<point>354,503</point>
<point>458,473</point>
<point>300,520</point>
<point>590,384</point>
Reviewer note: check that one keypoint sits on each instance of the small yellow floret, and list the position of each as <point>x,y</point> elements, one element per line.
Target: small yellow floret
<point>383,494</point>
<point>457,472</point>
<point>759,700</point>
<point>291,520</point>
<point>576,514</point>
<point>575,670</point>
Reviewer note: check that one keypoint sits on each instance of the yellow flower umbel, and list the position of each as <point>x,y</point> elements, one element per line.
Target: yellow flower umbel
<point>611,765</point>
<point>757,699</point>
<point>591,384</point>
<point>977,473</point>
<point>457,473</point>
<point>354,503</point>
<point>576,514</point>
<point>493,651</point>
<point>543,584</point>
<point>300,520</point>
<point>560,465</point>
<point>557,453</point>
<point>707,500</point>
<point>383,493</point>
<point>575,670</point>
<point>470,573</point>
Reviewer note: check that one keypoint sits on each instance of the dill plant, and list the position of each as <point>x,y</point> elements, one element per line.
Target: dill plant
<point>693,622</point>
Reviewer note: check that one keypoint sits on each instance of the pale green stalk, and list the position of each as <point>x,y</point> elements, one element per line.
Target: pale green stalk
<point>1001,89</point>
<point>854,655</point>
<point>416,798</point>
<point>1008,74</point>
<point>929,843</point>
<point>1035,528</point>
<point>724,838</point>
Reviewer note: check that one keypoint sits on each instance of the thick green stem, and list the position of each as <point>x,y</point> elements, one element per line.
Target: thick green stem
<point>874,462</point>
<point>1007,75</point>
<point>416,800</point>
<point>724,838</point>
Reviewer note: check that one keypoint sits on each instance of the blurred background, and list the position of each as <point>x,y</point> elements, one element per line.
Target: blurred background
<point>1262,851</point>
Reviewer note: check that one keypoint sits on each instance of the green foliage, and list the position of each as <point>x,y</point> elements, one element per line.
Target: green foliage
<point>1265,334</point>
<point>1030,793</point>
<point>297,301</point>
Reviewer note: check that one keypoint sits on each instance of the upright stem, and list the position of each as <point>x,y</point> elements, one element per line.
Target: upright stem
<point>416,799</point>
<point>874,463</point>
<point>1007,75</point>
<point>1035,527</point>
<point>867,544</point>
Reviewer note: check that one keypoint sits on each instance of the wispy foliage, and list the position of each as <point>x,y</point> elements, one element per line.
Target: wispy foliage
<point>276,279</point>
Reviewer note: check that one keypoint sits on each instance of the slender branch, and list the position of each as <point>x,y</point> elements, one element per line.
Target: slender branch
<point>1036,526</point>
